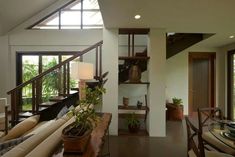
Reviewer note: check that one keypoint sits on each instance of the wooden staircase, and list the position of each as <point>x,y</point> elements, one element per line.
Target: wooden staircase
<point>66,95</point>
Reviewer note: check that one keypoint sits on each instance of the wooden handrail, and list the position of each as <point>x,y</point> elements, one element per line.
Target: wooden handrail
<point>56,67</point>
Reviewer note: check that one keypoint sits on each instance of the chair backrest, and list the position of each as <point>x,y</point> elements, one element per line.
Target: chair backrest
<point>194,139</point>
<point>3,103</point>
<point>206,115</point>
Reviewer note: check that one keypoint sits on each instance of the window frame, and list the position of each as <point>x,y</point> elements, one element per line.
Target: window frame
<point>65,8</point>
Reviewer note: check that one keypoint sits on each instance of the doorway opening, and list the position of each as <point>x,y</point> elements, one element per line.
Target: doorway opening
<point>201,80</point>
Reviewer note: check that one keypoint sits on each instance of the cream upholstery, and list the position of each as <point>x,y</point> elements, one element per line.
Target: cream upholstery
<point>210,154</point>
<point>50,143</point>
<point>27,146</point>
<point>22,127</point>
<point>207,136</point>
<point>3,103</point>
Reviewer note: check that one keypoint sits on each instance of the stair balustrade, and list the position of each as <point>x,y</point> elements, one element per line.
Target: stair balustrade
<point>63,70</point>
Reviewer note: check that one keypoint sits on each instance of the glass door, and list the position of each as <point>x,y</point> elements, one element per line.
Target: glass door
<point>30,69</point>
<point>231,85</point>
<point>30,65</point>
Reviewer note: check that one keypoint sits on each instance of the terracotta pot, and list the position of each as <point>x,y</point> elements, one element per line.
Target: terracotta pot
<point>75,144</point>
<point>125,101</point>
<point>133,128</point>
<point>175,113</point>
<point>134,74</point>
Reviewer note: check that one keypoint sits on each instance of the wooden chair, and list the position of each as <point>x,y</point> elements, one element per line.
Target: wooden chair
<point>195,144</point>
<point>205,116</point>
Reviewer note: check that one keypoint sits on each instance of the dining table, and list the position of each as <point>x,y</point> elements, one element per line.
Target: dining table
<point>219,129</point>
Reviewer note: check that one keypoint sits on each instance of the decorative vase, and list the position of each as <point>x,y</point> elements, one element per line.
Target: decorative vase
<point>125,101</point>
<point>134,74</point>
<point>139,104</point>
<point>75,144</point>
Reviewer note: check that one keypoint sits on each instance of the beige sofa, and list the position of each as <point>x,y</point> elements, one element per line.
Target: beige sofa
<point>42,143</point>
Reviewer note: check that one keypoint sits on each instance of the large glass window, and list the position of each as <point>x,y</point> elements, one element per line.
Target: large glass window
<point>30,65</point>
<point>81,14</point>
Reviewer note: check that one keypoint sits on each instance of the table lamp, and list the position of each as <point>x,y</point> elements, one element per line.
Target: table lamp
<point>82,71</point>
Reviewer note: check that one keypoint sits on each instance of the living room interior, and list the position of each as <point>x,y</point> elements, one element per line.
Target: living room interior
<point>155,61</point>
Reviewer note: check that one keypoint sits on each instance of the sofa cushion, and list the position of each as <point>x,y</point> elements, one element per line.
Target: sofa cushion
<point>8,145</point>
<point>28,145</point>
<point>22,127</point>
<point>39,127</point>
<point>46,147</point>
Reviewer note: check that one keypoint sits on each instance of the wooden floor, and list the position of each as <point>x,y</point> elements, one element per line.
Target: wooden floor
<point>173,145</point>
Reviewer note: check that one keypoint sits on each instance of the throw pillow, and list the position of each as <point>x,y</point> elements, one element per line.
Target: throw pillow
<point>22,127</point>
<point>62,112</point>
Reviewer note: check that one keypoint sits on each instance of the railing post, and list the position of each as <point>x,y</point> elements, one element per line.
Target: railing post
<point>38,95</point>
<point>13,108</point>
<point>68,78</point>
<point>64,79</point>
<point>100,60</point>
<point>33,97</point>
<point>96,61</point>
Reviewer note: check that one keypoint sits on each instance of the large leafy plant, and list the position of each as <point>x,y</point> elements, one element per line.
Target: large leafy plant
<point>84,115</point>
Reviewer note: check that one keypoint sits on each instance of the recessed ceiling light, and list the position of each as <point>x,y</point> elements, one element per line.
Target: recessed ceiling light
<point>231,36</point>
<point>137,17</point>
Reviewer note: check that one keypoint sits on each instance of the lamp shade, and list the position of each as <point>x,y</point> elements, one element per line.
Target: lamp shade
<point>81,70</point>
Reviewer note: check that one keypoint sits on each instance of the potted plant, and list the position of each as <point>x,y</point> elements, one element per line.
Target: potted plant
<point>76,135</point>
<point>176,110</point>
<point>177,101</point>
<point>133,123</point>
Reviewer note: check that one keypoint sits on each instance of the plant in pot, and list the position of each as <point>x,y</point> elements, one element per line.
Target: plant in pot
<point>177,111</point>
<point>177,101</point>
<point>133,123</point>
<point>77,134</point>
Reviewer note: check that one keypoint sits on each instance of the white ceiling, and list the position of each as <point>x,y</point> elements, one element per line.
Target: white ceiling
<point>14,12</point>
<point>183,16</point>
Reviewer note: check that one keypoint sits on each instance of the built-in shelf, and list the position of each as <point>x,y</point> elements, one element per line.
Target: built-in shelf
<point>122,107</point>
<point>127,115</point>
<point>134,83</point>
<point>133,58</point>
<point>123,132</point>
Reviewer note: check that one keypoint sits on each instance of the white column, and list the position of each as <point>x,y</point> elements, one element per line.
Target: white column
<point>157,53</point>
<point>110,64</point>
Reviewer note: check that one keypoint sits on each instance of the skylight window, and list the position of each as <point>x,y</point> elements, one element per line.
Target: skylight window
<point>81,14</point>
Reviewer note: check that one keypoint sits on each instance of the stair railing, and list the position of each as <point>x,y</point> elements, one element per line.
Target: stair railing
<point>64,78</point>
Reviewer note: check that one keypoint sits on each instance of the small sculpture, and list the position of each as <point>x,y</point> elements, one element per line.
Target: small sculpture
<point>139,104</point>
<point>125,101</point>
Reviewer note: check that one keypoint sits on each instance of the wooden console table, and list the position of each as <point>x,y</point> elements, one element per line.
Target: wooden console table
<point>95,145</point>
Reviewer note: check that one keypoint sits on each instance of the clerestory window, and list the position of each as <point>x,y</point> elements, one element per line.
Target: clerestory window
<point>78,14</point>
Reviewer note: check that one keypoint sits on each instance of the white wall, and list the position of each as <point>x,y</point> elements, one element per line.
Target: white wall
<point>110,62</point>
<point>224,51</point>
<point>3,65</point>
<point>157,53</point>
<point>177,75</point>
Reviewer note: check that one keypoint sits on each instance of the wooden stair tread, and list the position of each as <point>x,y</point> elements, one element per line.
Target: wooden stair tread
<point>57,98</point>
<point>126,115</point>
<point>133,58</point>
<point>134,83</point>
<point>122,107</point>
<point>47,104</point>
<point>25,114</point>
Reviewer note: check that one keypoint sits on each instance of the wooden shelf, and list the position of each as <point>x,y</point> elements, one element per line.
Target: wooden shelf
<point>126,115</point>
<point>121,107</point>
<point>123,132</point>
<point>135,83</point>
<point>133,58</point>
